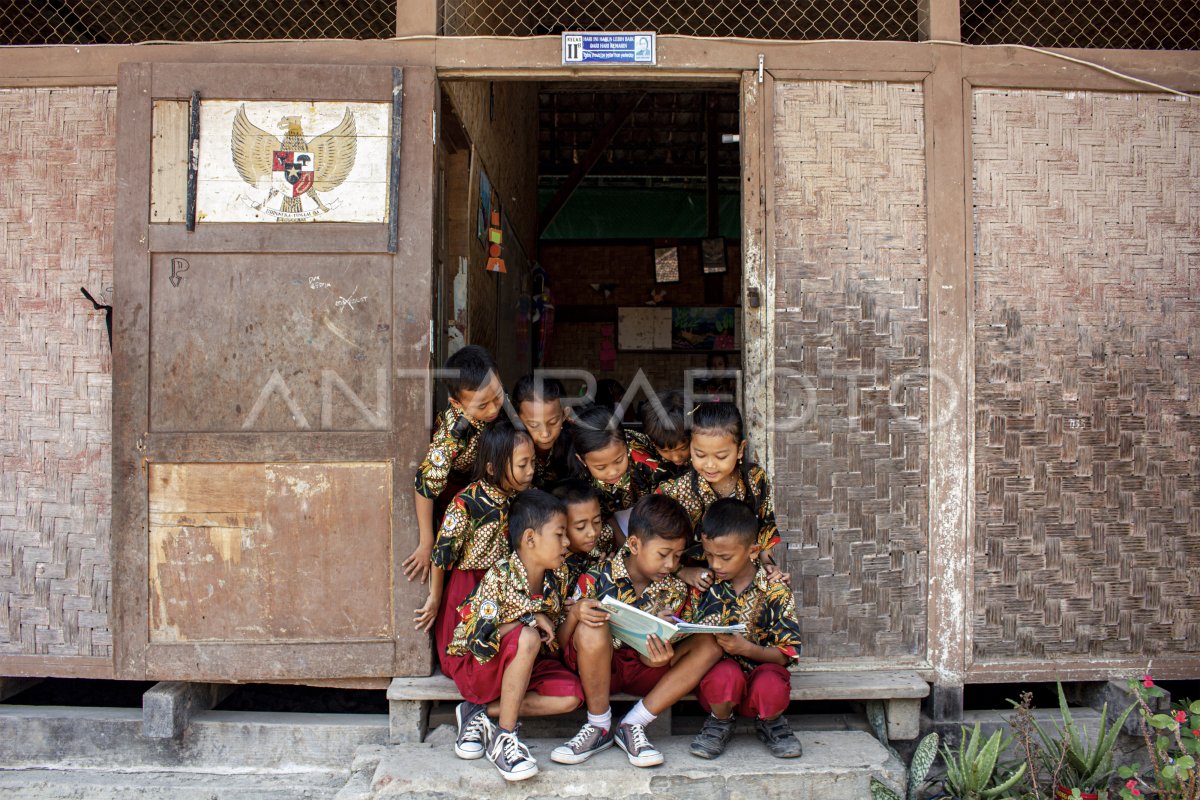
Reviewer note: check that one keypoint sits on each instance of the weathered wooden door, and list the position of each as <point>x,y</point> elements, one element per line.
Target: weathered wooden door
<point>273,259</point>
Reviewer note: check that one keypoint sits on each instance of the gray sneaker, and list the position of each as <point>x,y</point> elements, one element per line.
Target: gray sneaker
<point>777,735</point>
<point>585,744</point>
<point>511,756</point>
<point>474,730</point>
<point>711,740</point>
<point>632,739</point>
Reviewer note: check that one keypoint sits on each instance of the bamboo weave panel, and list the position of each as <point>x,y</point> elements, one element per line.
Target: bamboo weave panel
<point>57,199</point>
<point>852,323</point>
<point>1087,379</point>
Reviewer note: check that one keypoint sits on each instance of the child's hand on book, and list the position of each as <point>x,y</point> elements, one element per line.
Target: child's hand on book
<point>660,654</point>
<point>417,565</point>
<point>590,613</point>
<point>427,614</point>
<point>734,644</point>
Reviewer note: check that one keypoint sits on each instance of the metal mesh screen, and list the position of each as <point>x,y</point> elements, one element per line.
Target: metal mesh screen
<point>1118,24</point>
<point>759,19</point>
<point>128,21</point>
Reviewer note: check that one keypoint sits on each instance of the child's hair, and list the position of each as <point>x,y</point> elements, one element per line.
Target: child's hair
<point>531,508</point>
<point>657,516</point>
<point>472,365</point>
<point>665,430</point>
<point>496,445</point>
<point>609,392</point>
<point>730,517</point>
<point>716,418</point>
<point>530,387</point>
<point>575,492</point>
<point>594,429</point>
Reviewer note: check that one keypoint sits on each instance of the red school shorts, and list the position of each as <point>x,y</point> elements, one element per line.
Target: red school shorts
<point>629,674</point>
<point>763,693</point>
<point>480,683</point>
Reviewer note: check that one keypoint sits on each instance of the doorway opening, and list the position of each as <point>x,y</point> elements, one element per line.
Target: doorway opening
<point>593,228</point>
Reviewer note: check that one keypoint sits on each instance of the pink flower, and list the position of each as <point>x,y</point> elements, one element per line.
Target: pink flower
<point>1147,681</point>
<point>1131,785</point>
<point>1196,732</point>
<point>1181,716</point>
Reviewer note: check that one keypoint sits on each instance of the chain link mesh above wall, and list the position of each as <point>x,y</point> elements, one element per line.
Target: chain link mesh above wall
<point>759,19</point>
<point>1118,24</point>
<point>128,21</point>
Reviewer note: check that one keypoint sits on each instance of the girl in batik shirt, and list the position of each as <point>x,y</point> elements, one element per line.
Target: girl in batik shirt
<point>622,471</point>
<point>474,532</point>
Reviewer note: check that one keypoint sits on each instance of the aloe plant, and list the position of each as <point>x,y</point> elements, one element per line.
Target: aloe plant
<point>1084,765</point>
<point>922,760</point>
<point>971,767</point>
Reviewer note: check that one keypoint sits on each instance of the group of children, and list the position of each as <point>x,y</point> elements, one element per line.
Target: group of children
<point>566,509</point>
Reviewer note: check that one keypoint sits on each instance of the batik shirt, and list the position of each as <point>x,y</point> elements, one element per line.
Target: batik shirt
<point>453,447</point>
<point>642,474</point>
<point>548,469</point>
<point>579,563</point>
<point>669,468</point>
<point>611,579</point>
<point>767,608</point>
<point>696,495</point>
<point>474,532</point>
<point>504,596</point>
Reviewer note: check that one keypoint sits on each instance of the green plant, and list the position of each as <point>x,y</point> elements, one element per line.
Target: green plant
<point>922,760</point>
<point>971,767</point>
<point>1173,750</point>
<point>1069,754</point>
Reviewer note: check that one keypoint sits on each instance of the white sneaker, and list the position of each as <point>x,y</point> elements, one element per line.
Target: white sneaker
<point>511,756</point>
<point>585,744</point>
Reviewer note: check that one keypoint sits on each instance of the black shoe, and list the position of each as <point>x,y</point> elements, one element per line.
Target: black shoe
<point>511,756</point>
<point>589,741</point>
<point>777,735</point>
<point>713,737</point>
<point>474,730</point>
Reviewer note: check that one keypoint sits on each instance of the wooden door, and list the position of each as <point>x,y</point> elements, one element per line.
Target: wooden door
<point>273,262</point>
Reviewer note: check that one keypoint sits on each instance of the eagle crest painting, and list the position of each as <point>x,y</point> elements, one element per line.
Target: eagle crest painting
<point>299,169</point>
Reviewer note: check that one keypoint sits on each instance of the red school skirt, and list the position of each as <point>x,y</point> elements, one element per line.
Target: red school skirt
<point>460,584</point>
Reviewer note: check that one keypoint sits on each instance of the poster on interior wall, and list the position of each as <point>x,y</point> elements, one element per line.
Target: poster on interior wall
<point>268,161</point>
<point>485,207</point>
<point>644,328</point>
<point>703,328</point>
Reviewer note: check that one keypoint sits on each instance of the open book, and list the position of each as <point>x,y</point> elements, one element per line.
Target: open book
<point>633,626</point>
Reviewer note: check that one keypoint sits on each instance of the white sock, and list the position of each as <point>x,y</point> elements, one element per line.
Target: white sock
<point>601,721</point>
<point>638,715</point>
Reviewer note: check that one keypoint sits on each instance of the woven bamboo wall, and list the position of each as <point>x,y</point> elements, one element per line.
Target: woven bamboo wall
<point>852,322</point>
<point>56,213</point>
<point>1087,380</point>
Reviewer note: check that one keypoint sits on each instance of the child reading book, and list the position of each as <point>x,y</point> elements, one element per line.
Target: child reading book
<point>500,657</point>
<point>642,576</point>
<point>752,679</point>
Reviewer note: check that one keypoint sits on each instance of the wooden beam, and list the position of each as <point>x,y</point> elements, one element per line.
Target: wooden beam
<point>938,20</point>
<point>599,145</point>
<point>416,17</point>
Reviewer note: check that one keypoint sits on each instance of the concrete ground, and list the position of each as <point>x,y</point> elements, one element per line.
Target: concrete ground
<point>50,753</point>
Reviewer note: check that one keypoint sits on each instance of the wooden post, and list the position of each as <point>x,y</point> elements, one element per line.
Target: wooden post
<point>938,19</point>
<point>417,17</point>
<point>950,379</point>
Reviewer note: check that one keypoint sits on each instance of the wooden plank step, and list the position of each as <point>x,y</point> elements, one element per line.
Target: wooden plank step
<point>805,686</point>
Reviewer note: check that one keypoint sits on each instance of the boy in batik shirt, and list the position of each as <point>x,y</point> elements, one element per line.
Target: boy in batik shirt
<point>752,679</point>
<point>640,575</point>
<point>507,631</point>
<point>476,397</point>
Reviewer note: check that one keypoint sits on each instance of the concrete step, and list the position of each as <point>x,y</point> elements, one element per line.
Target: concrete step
<point>837,765</point>
<point>110,784</point>
<point>111,738</point>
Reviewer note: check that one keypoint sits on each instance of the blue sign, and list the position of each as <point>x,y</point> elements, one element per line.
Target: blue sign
<point>637,47</point>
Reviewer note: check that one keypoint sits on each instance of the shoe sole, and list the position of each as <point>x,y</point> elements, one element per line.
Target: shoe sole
<point>640,761</point>
<point>580,757</point>
<point>708,756</point>
<point>512,777</point>
<point>799,752</point>
<point>467,755</point>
